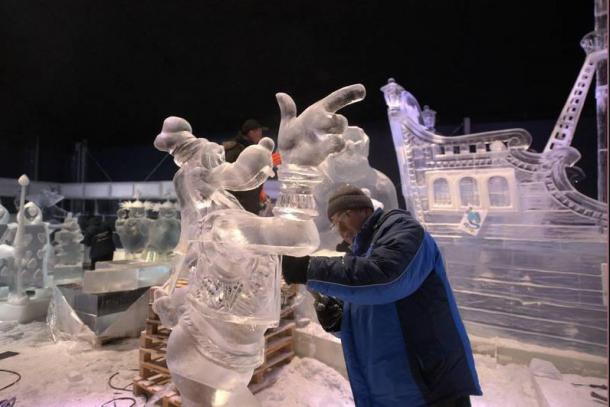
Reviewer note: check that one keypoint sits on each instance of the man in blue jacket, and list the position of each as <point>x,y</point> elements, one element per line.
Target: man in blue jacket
<point>403,339</point>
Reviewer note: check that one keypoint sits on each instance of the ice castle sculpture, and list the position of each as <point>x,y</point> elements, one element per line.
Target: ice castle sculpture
<point>350,166</point>
<point>230,255</point>
<point>524,249</point>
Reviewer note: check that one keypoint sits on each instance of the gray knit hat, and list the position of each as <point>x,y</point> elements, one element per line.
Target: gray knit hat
<point>347,197</point>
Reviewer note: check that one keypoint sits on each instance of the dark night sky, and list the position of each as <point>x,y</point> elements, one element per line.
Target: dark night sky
<point>111,71</point>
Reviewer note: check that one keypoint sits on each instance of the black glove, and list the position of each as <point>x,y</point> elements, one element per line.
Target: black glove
<point>329,311</point>
<point>343,247</point>
<point>294,269</point>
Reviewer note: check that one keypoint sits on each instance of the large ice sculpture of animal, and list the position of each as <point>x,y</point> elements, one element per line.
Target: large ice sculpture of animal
<point>133,227</point>
<point>234,284</point>
<point>350,166</point>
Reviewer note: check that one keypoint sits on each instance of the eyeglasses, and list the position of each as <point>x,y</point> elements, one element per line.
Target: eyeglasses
<point>335,224</point>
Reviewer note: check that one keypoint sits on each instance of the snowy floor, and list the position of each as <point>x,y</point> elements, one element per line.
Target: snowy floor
<point>69,374</point>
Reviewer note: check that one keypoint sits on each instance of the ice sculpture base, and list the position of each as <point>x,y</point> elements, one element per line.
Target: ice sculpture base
<point>63,274</point>
<point>124,275</point>
<point>96,318</point>
<point>34,308</point>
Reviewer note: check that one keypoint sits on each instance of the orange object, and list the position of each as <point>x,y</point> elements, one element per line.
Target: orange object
<point>277,160</point>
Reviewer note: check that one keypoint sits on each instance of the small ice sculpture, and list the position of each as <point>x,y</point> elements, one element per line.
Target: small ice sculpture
<point>133,227</point>
<point>350,165</point>
<point>68,247</point>
<point>429,118</point>
<point>69,252</point>
<point>165,230</point>
<point>231,255</point>
<point>4,218</point>
<point>4,215</point>
<point>28,246</point>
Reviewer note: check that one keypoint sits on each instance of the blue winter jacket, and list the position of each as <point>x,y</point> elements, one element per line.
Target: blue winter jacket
<point>402,335</point>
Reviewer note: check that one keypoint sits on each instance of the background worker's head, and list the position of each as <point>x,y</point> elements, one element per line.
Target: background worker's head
<point>253,130</point>
<point>348,209</point>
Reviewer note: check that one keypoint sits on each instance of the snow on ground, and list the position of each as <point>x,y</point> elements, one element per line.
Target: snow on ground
<point>504,385</point>
<point>70,374</point>
<point>64,374</point>
<point>315,329</point>
<point>308,383</point>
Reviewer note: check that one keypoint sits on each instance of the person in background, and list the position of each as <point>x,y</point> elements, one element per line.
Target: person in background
<point>98,235</point>
<point>403,339</point>
<point>250,133</point>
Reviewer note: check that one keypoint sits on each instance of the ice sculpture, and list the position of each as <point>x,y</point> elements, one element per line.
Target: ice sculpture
<point>232,255</point>
<point>30,242</point>
<point>133,227</point>
<point>69,251</point>
<point>524,249</point>
<point>4,215</point>
<point>47,200</point>
<point>28,252</point>
<point>350,165</point>
<point>4,218</point>
<point>6,253</point>
<point>165,230</point>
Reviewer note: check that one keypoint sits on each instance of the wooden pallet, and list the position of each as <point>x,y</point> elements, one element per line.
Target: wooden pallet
<point>154,374</point>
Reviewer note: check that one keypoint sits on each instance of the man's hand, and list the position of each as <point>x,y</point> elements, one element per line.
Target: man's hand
<point>309,138</point>
<point>329,311</point>
<point>294,269</point>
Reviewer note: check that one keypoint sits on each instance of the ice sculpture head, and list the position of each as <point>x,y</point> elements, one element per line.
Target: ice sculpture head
<point>356,141</point>
<point>167,210</point>
<point>122,213</point>
<point>209,170</point>
<point>31,214</point>
<point>353,159</point>
<point>307,139</point>
<point>137,209</point>
<point>177,139</point>
<point>398,99</point>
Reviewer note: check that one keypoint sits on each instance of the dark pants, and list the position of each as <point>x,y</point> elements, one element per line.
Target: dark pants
<point>463,401</point>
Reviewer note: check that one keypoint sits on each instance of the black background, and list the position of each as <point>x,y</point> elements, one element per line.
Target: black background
<point>111,71</point>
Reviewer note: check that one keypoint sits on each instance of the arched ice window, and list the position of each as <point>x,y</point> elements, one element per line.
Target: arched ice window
<point>499,192</point>
<point>469,192</point>
<point>442,195</point>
